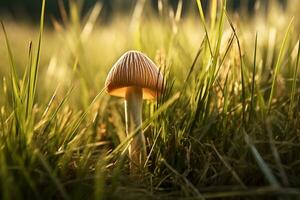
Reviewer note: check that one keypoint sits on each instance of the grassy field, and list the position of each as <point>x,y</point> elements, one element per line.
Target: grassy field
<point>226,126</point>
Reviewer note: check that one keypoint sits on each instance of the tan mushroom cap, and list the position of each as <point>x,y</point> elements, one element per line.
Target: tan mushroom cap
<point>134,69</point>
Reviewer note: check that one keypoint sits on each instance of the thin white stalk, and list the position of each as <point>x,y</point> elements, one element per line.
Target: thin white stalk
<point>133,117</point>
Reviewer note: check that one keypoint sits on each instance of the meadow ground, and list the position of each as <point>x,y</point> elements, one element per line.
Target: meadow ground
<point>226,126</point>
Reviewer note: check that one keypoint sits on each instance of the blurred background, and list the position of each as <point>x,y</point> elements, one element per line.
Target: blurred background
<point>31,8</point>
<point>83,38</point>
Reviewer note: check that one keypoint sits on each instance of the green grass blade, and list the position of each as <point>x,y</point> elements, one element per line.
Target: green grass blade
<point>204,25</point>
<point>82,117</point>
<point>242,68</point>
<point>99,190</point>
<point>218,45</point>
<point>278,63</point>
<point>294,84</point>
<point>213,13</point>
<point>276,154</point>
<point>253,80</point>
<point>186,182</point>
<point>33,75</point>
<point>228,166</point>
<point>58,108</point>
<point>26,79</point>
<point>262,164</point>
<point>13,71</point>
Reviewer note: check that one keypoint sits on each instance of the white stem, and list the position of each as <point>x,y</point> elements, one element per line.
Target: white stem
<point>133,117</point>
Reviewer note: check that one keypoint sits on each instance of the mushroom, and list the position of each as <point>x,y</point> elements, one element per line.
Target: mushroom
<point>135,77</point>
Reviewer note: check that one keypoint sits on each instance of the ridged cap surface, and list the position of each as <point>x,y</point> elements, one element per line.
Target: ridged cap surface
<point>134,69</point>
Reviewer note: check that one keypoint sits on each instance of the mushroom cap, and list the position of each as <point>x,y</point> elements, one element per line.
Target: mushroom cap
<point>134,69</point>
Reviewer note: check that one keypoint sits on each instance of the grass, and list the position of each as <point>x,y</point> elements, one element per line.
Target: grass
<point>226,126</point>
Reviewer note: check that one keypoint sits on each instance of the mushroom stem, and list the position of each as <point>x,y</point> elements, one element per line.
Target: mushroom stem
<point>133,117</point>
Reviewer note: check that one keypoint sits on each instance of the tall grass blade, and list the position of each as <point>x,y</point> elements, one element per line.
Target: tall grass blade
<point>82,117</point>
<point>188,184</point>
<point>204,25</point>
<point>253,80</point>
<point>278,64</point>
<point>33,75</point>
<point>294,84</point>
<point>261,163</point>
<point>242,69</point>
<point>276,154</point>
<point>99,192</point>
<point>13,72</point>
